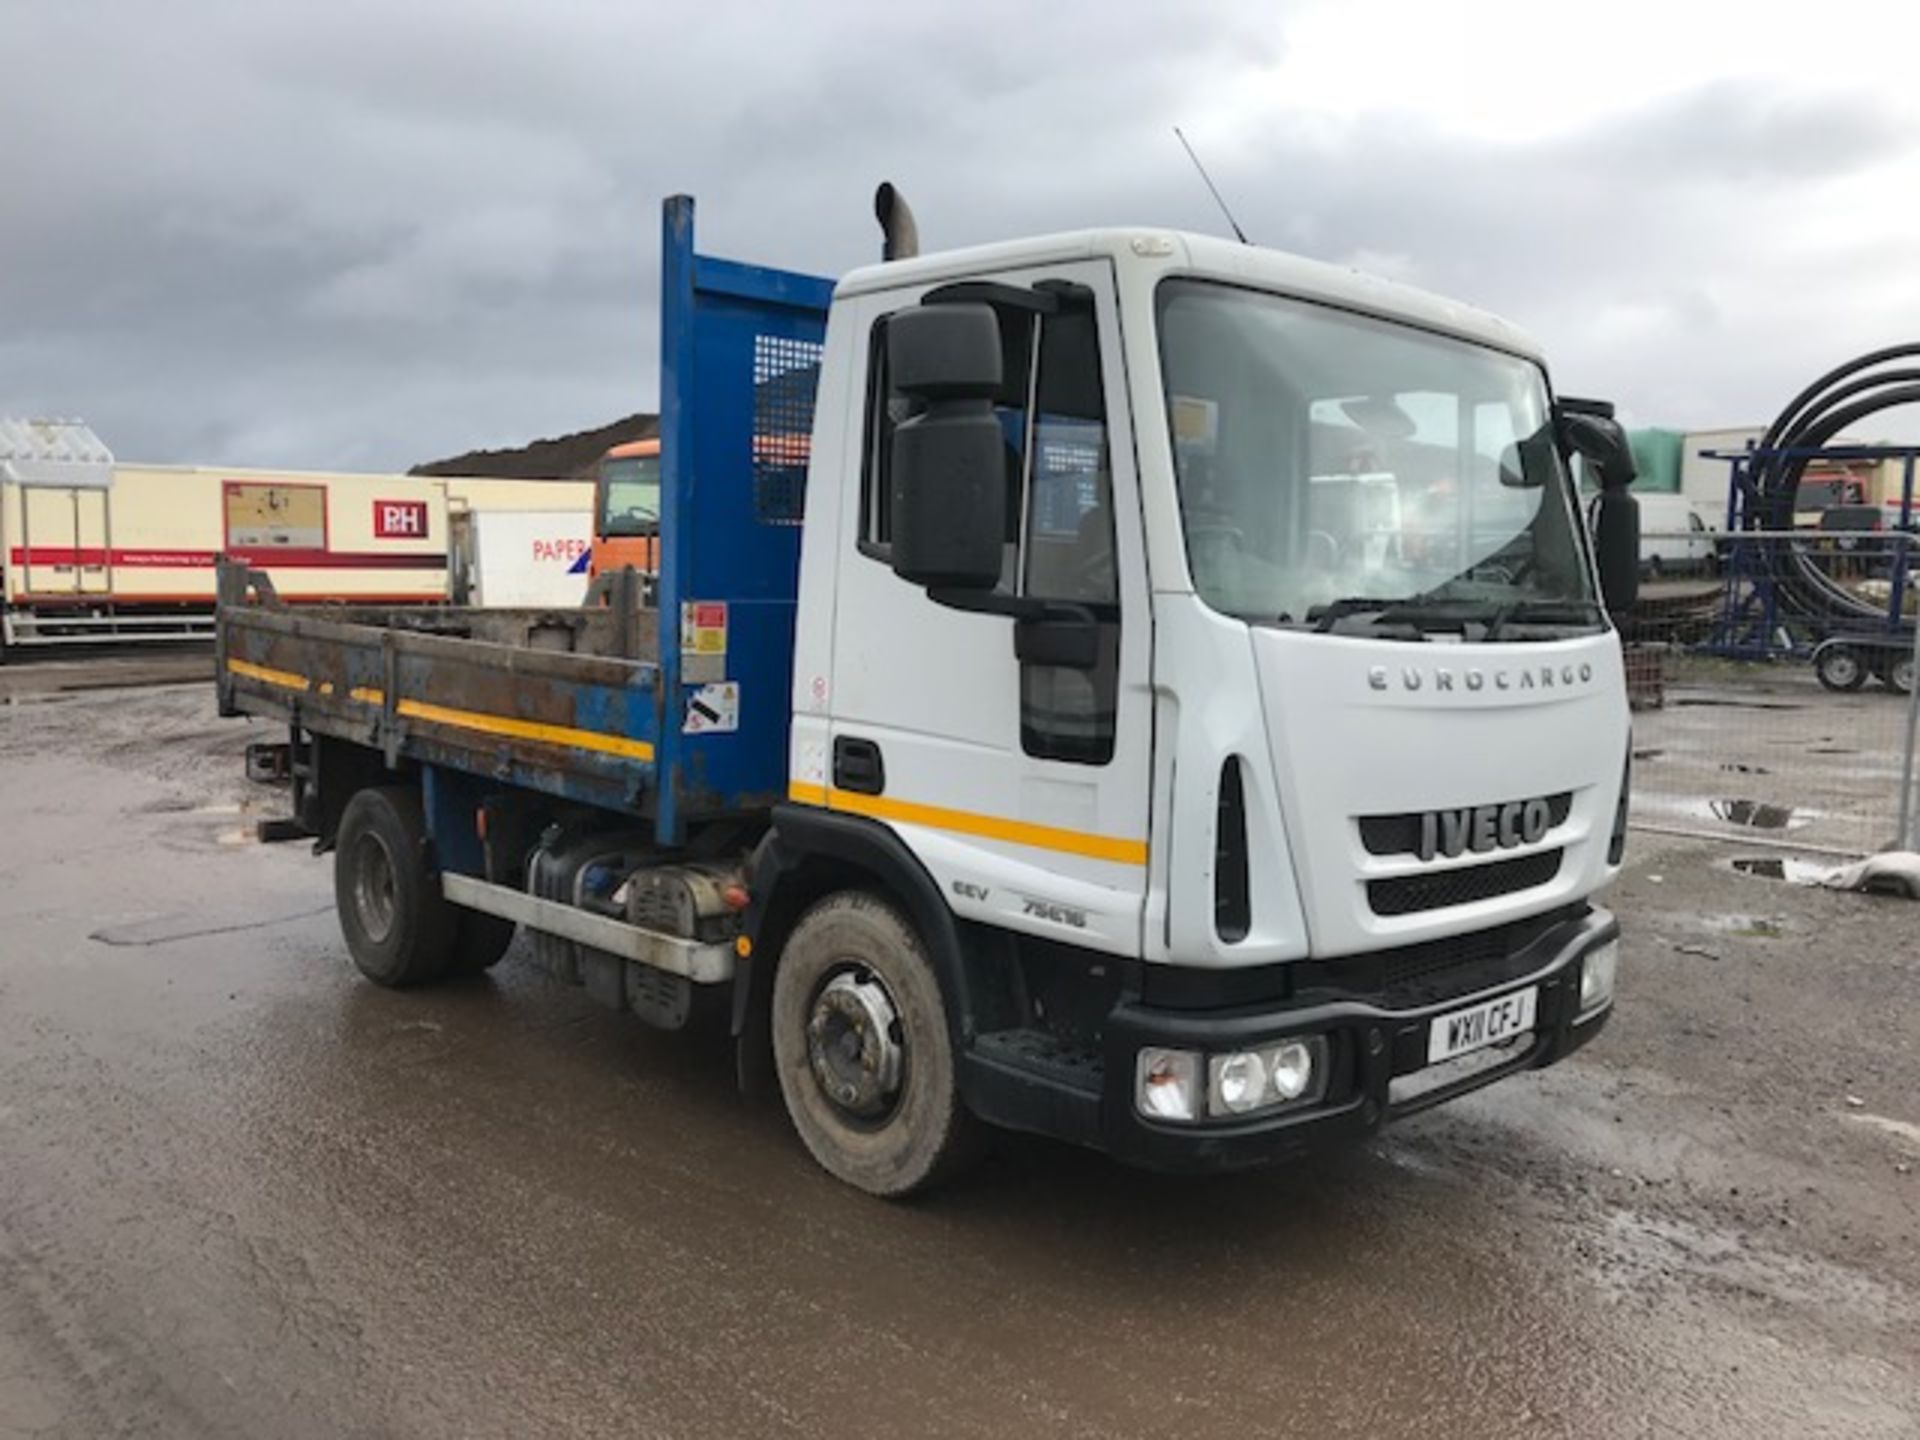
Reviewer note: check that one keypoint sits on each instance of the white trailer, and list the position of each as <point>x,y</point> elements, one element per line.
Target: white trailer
<point>96,551</point>
<point>528,558</point>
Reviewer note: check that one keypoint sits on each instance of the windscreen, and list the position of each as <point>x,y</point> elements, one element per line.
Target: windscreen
<point>1343,473</point>
<point>630,495</point>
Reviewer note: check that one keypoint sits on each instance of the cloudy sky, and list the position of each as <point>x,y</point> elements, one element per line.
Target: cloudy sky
<point>360,234</point>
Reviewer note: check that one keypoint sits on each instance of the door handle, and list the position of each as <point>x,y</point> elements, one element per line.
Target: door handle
<point>857,765</point>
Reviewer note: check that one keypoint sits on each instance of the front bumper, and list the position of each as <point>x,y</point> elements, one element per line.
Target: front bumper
<point>1374,1037</point>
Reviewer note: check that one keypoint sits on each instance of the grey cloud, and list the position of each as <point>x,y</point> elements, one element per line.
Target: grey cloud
<point>364,234</point>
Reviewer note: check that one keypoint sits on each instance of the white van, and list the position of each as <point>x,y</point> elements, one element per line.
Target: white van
<point>1675,538</point>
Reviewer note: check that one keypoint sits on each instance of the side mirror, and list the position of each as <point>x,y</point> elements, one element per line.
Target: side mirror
<point>1588,429</point>
<point>1616,546</point>
<point>948,466</point>
<point>1595,436</point>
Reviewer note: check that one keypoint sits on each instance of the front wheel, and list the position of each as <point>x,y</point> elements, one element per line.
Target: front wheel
<point>864,1052</point>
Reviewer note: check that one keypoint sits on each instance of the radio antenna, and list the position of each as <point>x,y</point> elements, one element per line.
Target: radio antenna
<point>1218,199</point>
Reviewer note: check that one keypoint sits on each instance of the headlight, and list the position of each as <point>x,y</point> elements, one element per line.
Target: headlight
<point>1243,1082</point>
<point>1597,973</point>
<point>1236,1083</point>
<point>1292,1070</point>
<point>1166,1084</point>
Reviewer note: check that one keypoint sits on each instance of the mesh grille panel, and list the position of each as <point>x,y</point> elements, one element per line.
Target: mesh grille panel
<point>786,373</point>
<point>1406,894</point>
<point>1432,971</point>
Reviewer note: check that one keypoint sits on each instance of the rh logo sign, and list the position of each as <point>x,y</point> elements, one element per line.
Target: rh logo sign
<point>400,519</point>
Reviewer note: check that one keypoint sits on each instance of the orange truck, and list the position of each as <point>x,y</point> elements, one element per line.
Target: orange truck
<point>626,529</point>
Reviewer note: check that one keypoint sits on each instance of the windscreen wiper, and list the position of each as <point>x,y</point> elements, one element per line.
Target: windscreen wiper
<point>1421,612</point>
<point>1325,617</point>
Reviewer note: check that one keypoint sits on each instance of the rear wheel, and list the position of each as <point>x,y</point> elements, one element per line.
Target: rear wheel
<point>1899,675</point>
<point>864,1052</point>
<point>399,928</point>
<point>479,941</point>
<point>1839,667</point>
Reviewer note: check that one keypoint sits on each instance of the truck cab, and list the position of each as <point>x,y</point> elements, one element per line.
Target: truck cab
<point>1143,712</point>
<point>1125,686</point>
<point>626,509</point>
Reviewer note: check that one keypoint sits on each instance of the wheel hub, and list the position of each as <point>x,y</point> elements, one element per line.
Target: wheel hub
<point>374,887</point>
<point>854,1044</point>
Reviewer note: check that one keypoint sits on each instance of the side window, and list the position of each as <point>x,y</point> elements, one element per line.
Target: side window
<point>1068,713</point>
<point>1059,540</point>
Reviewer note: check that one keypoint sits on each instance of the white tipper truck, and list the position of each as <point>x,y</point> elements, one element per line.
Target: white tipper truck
<point>1199,730</point>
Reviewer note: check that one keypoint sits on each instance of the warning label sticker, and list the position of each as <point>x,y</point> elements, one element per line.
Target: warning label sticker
<point>703,627</point>
<point>713,709</point>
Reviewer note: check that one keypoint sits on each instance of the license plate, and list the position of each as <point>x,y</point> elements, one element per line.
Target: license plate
<point>1478,1026</point>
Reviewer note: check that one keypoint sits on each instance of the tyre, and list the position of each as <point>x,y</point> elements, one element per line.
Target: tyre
<point>1839,667</point>
<point>1899,675</point>
<point>399,928</point>
<point>479,941</point>
<point>864,1052</point>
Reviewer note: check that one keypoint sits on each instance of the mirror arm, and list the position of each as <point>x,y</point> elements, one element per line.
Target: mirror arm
<point>991,602</point>
<point>1045,632</point>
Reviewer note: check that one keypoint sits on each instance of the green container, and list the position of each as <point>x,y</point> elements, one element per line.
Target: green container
<point>1657,455</point>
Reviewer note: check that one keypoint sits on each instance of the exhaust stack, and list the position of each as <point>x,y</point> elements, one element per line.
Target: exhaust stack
<point>902,240</point>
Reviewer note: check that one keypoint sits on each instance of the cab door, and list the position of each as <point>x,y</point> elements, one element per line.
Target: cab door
<point>1021,784</point>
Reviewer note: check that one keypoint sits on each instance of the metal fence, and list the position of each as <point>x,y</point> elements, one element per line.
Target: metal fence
<point>1763,723</point>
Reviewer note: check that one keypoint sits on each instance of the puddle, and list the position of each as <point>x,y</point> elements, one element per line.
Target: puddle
<point>1759,814</point>
<point>1740,767</point>
<point>1782,867</point>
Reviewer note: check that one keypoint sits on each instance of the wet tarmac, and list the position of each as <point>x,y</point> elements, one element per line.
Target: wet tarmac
<point>243,1193</point>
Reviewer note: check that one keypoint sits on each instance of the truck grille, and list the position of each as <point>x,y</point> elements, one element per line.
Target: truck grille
<point>1436,890</point>
<point>1400,834</point>
<point>1409,976</point>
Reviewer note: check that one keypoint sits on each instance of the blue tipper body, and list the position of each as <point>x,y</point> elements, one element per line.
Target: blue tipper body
<point>740,351</point>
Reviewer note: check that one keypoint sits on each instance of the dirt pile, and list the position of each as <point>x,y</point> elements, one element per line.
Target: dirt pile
<point>565,457</point>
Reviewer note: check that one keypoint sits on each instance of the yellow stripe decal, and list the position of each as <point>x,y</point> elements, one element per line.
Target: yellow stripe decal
<point>285,679</point>
<point>966,822</point>
<point>526,730</point>
<point>466,719</point>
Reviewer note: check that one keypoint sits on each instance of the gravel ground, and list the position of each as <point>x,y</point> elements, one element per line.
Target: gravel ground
<point>244,1193</point>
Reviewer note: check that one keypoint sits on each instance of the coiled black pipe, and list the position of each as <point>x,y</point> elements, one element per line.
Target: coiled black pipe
<point>1843,396</point>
